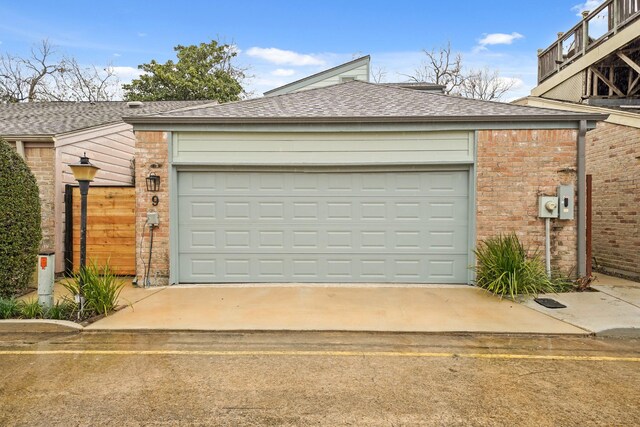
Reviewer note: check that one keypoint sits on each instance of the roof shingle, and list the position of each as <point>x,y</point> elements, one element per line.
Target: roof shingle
<point>54,118</point>
<point>359,101</point>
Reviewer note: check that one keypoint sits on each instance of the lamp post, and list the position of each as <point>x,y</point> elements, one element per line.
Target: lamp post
<point>83,172</point>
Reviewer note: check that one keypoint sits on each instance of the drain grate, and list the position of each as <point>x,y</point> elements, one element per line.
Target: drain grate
<point>549,303</point>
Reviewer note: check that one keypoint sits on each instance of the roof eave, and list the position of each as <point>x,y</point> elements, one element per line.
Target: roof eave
<point>29,138</point>
<point>356,119</point>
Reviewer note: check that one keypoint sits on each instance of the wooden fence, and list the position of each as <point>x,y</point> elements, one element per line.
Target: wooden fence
<point>111,232</point>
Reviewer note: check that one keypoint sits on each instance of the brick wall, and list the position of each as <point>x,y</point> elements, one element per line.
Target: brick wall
<point>613,159</point>
<point>514,168</point>
<point>41,161</point>
<point>151,148</point>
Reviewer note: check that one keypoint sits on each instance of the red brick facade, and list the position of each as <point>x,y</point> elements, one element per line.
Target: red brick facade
<point>613,159</point>
<point>152,157</point>
<point>514,167</point>
<point>41,161</point>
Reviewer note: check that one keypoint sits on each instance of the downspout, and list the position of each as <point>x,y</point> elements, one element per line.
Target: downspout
<point>20,148</point>
<point>582,200</point>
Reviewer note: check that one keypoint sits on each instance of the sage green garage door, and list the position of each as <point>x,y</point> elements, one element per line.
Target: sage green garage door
<point>323,227</point>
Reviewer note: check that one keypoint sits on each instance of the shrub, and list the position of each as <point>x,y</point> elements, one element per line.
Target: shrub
<point>101,288</point>
<point>61,310</point>
<point>9,308</point>
<point>20,231</point>
<point>504,268</point>
<point>30,309</point>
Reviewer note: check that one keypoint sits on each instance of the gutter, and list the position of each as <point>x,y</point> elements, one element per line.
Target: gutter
<point>582,200</point>
<point>345,119</point>
<point>29,138</point>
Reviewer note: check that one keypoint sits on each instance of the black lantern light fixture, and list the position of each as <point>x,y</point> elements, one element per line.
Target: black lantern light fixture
<point>83,172</point>
<point>153,182</point>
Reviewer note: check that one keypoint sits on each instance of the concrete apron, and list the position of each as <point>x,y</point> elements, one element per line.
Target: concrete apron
<point>335,307</point>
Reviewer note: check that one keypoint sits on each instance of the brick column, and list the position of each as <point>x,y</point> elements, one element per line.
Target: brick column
<point>152,149</point>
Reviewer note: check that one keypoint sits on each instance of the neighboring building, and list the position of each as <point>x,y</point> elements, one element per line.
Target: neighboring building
<point>597,70</point>
<point>354,182</point>
<point>52,135</point>
<point>358,69</point>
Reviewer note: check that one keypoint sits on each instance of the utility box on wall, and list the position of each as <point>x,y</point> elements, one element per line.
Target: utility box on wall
<point>548,207</point>
<point>565,201</point>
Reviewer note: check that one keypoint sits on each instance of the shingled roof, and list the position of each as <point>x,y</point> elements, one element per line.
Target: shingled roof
<point>357,101</point>
<point>54,118</point>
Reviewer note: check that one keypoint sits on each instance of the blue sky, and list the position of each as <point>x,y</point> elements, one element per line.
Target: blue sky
<point>282,41</point>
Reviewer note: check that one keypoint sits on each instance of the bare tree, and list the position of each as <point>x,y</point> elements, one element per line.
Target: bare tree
<point>21,79</point>
<point>445,68</point>
<point>73,82</point>
<point>441,67</point>
<point>485,84</point>
<point>378,74</point>
<point>43,76</point>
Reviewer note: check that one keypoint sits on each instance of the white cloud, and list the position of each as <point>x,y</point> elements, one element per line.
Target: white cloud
<point>589,5</point>
<point>126,74</point>
<point>284,57</point>
<point>499,38</point>
<point>142,34</point>
<point>599,24</point>
<point>117,55</point>
<point>283,72</point>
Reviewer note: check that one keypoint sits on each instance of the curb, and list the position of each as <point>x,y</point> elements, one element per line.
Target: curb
<point>38,326</point>
<point>619,333</point>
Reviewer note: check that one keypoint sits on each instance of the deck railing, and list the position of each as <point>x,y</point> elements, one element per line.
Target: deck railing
<point>594,28</point>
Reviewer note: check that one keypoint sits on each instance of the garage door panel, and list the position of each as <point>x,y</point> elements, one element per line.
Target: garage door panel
<point>388,227</point>
<point>433,240</point>
<point>346,268</point>
<point>251,209</point>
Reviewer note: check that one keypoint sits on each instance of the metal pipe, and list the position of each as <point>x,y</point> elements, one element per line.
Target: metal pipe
<point>582,200</point>
<point>547,245</point>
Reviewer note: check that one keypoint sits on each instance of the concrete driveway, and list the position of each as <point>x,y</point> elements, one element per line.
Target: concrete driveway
<point>425,308</point>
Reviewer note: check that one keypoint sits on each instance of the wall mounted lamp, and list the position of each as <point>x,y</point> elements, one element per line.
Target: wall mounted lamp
<point>153,182</point>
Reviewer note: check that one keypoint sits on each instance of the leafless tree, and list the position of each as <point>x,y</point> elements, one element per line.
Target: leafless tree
<point>485,84</point>
<point>441,67</point>
<point>43,76</point>
<point>73,82</point>
<point>378,74</point>
<point>445,68</point>
<point>21,79</point>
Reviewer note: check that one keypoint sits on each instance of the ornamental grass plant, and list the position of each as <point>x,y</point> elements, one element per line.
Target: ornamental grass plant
<point>101,289</point>
<point>505,268</point>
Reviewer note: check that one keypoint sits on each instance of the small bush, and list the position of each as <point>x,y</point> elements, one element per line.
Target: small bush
<point>61,310</point>
<point>101,288</point>
<point>30,309</point>
<point>9,308</point>
<point>504,268</point>
<point>20,231</point>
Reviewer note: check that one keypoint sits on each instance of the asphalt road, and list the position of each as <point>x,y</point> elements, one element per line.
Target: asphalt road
<point>328,379</point>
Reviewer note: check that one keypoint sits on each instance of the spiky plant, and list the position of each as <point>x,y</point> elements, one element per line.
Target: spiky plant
<point>505,268</point>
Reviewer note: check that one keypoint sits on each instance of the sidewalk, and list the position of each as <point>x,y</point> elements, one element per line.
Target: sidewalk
<point>612,311</point>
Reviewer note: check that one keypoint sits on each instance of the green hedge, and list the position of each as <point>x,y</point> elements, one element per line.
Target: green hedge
<point>20,231</point>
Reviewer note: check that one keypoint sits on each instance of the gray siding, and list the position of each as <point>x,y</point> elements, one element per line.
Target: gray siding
<point>291,148</point>
<point>361,73</point>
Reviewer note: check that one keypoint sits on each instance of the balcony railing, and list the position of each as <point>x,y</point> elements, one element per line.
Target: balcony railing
<point>596,27</point>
